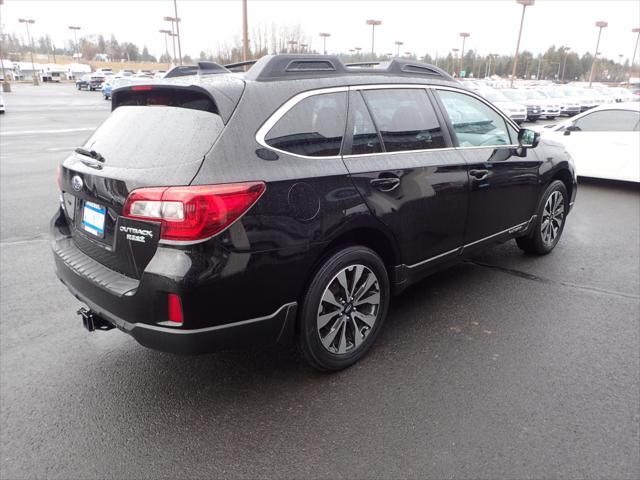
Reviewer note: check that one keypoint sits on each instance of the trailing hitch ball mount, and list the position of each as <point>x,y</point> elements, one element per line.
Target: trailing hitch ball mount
<point>92,321</point>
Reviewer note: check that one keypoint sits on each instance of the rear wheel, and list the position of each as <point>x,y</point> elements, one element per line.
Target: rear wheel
<point>549,224</point>
<point>343,309</point>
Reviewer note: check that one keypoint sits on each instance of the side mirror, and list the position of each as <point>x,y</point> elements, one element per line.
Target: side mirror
<point>528,138</point>
<point>571,128</point>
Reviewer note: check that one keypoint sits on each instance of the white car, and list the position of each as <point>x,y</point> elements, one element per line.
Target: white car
<point>549,108</point>
<point>604,142</point>
<point>516,111</point>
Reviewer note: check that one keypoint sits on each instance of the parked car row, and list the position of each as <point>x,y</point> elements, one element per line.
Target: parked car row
<point>548,100</point>
<point>103,79</point>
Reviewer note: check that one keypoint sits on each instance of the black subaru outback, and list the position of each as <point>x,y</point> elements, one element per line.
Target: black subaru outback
<point>216,209</point>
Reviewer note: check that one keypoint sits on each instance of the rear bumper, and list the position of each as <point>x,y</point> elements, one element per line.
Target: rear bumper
<point>132,305</point>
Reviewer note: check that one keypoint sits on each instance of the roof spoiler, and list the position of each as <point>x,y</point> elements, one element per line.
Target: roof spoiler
<point>202,68</point>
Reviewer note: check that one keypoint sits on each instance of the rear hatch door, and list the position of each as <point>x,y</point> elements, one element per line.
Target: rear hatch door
<point>154,139</point>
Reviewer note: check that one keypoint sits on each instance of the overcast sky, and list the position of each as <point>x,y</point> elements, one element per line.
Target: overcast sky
<point>423,26</point>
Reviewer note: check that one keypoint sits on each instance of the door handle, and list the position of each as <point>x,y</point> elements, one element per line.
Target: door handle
<point>479,174</point>
<point>386,183</point>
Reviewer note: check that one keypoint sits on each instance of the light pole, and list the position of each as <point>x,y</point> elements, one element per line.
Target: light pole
<point>303,47</point>
<point>564,65</point>
<point>174,35</point>
<point>292,44</point>
<point>357,49</point>
<point>6,86</point>
<point>407,54</point>
<point>635,50</point>
<point>464,36</point>
<point>27,22</point>
<point>398,44</point>
<point>525,4</point>
<point>166,32</point>
<point>373,24</point>
<point>245,32</point>
<point>75,37</point>
<point>177,20</point>
<point>324,36</point>
<point>455,60</point>
<point>600,24</point>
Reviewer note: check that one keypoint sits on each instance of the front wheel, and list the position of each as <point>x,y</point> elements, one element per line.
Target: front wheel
<point>343,309</point>
<point>549,224</point>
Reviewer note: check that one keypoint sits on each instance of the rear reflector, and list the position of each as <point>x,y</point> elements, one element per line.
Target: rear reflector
<point>174,307</point>
<point>192,213</point>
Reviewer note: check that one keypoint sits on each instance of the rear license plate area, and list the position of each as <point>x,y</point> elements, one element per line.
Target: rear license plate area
<point>93,219</point>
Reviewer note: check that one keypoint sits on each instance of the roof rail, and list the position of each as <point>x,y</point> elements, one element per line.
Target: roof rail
<point>296,66</point>
<point>203,68</point>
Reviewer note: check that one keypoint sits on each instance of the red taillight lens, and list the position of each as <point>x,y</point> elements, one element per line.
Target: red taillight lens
<point>192,213</point>
<point>174,309</point>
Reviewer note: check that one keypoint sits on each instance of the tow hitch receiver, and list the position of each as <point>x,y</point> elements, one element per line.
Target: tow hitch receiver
<point>92,322</point>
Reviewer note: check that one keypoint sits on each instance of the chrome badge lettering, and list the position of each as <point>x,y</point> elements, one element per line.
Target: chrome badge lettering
<point>136,234</point>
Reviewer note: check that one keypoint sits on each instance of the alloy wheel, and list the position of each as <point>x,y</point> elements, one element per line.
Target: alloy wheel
<point>552,218</point>
<point>348,309</point>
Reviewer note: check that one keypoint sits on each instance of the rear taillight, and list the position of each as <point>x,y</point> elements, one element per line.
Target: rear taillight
<point>195,212</point>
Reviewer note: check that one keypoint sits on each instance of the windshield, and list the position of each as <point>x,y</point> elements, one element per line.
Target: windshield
<point>155,136</point>
<point>534,95</point>
<point>494,96</point>
<point>515,95</point>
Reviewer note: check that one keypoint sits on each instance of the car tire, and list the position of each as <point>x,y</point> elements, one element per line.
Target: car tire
<point>550,220</point>
<point>340,319</point>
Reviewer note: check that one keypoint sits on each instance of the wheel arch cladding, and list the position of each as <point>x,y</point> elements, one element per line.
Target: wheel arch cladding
<point>565,177</point>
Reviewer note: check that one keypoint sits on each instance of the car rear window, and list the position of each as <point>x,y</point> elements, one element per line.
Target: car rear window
<point>155,136</point>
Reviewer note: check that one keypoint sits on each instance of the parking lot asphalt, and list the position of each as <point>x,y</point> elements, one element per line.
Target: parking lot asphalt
<point>507,366</point>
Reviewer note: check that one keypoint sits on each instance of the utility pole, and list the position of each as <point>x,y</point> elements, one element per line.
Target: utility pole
<point>373,24</point>
<point>455,60</point>
<point>525,4</point>
<point>27,22</point>
<point>245,32</point>
<point>324,36</point>
<point>600,25</point>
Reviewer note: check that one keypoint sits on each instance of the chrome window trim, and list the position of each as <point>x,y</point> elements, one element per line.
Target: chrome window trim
<point>285,107</point>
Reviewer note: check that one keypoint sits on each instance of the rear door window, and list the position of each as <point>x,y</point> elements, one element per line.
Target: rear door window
<point>365,138</point>
<point>474,123</point>
<point>313,127</point>
<point>405,118</point>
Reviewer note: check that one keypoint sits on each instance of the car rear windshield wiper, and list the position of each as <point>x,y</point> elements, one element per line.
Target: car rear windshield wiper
<point>90,153</point>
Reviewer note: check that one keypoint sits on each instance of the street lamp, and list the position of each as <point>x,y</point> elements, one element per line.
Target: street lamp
<point>373,24</point>
<point>407,54</point>
<point>635,50</point>
<point>27,22</point>
<point>6,86</point>
<point>324,36</point>
<point>174,20</point>
<point>75,36</point>
<point>600,24</point>
<point>292,44</point>
<point>464,36</point>
<point>455,53</point>
<point>398,44</point>
<point>303,47</point>
<point>564,65</point>
<point>525,4</point>
<point>166,32</point>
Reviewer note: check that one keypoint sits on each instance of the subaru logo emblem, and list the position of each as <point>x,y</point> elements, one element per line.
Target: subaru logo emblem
<point>76,183</point>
